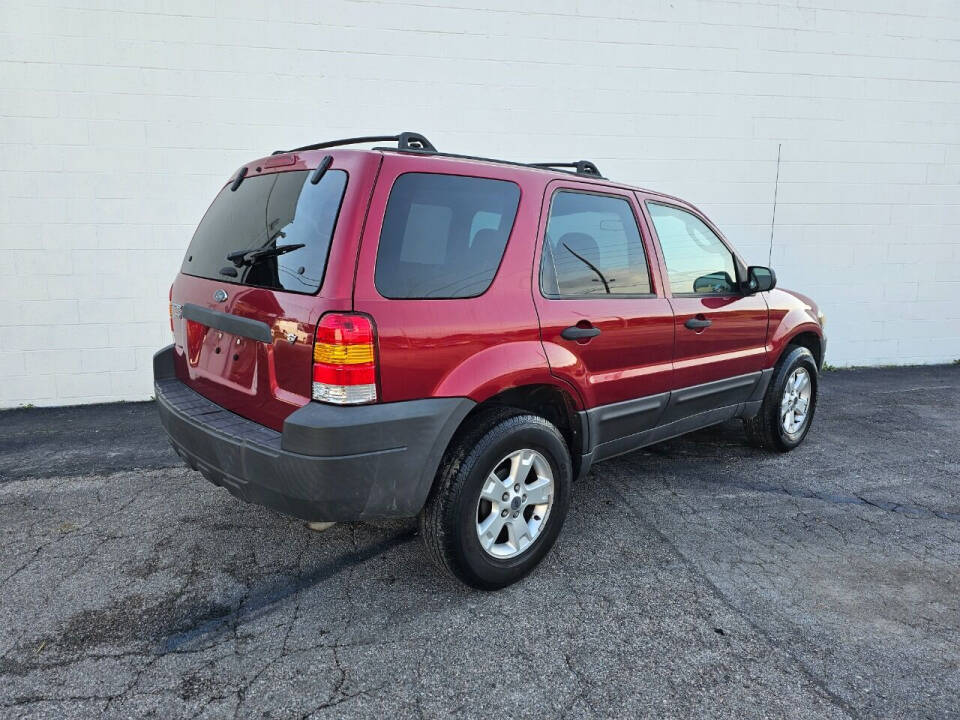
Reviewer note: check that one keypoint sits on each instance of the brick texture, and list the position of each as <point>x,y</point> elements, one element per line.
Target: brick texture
<point>120,120</point>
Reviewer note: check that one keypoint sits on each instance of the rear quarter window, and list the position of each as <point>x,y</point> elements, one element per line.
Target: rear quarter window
<point>443,236</point>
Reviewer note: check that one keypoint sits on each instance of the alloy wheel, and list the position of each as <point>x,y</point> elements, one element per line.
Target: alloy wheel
<point>514,503</point>
<point>795,403</point>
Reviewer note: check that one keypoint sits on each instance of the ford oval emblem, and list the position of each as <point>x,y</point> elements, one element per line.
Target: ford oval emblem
<point>220,295</point>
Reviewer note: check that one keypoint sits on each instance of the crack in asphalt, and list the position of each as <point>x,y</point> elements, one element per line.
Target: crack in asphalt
<point>584,685</point>
<point>910,510</point>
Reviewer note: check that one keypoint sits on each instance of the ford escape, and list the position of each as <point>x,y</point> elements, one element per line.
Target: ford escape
<point>400,332</point>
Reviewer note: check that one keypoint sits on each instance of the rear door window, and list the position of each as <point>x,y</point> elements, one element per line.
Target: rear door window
<point>270,211</point>
<point>592,248</point>
<point>443,236</point>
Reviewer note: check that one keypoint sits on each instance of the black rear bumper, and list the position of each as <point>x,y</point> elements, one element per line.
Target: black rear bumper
<point>329,463</point>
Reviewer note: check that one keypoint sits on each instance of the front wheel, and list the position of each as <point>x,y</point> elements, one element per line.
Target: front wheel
<point>500,499</point>
<point>788,406</point>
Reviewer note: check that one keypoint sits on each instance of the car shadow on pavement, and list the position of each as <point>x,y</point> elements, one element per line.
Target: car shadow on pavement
<point>260,600</point>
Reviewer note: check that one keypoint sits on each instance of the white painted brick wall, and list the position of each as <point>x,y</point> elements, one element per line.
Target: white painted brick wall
<point>119,120</point>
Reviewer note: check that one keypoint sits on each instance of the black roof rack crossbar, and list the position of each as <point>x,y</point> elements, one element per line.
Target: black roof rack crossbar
<point>582,167</point>
<point>405,141</point>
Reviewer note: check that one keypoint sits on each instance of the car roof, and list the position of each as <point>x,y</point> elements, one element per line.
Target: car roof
<point>549,170</point>
<point>416,145</point>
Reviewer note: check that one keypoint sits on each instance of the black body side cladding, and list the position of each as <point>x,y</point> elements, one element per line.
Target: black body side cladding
<point>610,422</point>
<point>697,399</point>
<point>622,427</point>
<point>419,430</point>
<point>663,432</point>
<point>752,404</point>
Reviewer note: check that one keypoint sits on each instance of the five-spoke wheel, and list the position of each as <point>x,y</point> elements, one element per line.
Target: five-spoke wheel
<point>499,499</point>
<point>514,504</point>
<point>796,401</point>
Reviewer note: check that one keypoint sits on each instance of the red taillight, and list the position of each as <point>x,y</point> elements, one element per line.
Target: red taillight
<point>344,364</point>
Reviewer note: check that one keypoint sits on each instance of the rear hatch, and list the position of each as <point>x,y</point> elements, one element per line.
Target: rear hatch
<point>271,255</point>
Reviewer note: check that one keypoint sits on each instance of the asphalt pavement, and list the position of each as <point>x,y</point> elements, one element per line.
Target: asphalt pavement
<point>697,578</point>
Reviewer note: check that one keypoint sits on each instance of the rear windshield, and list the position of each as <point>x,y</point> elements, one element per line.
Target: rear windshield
<point>443,235</point>
<point>266,213</point>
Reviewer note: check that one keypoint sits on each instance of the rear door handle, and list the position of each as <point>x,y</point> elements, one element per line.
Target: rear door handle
<point>698,324</point>
<point>579,333</point>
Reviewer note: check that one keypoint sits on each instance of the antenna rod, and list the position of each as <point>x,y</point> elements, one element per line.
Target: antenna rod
<point>773,220</point>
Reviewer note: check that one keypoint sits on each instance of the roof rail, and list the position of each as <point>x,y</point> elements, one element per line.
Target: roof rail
<point>405,141</point>
<point>581,167</point>
<point>416,143</point>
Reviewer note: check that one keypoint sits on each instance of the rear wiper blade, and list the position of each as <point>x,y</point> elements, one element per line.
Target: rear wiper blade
<point>249,257</point>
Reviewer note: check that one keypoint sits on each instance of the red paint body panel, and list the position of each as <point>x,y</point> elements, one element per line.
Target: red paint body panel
<point>258,381</point>
<point>791,313</point>
<point>476,347</point>
<point>462,347</point>
<point>735,344</point>
<point>633,354</point>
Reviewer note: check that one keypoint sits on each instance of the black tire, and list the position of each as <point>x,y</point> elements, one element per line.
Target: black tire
<point>448,522</point>
<point>765,429</point>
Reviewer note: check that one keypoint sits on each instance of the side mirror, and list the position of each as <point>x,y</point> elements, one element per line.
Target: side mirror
<point>718,282</point>
<point>760,279</point>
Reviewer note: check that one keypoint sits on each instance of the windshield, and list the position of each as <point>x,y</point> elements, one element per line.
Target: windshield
<point>272,213</point>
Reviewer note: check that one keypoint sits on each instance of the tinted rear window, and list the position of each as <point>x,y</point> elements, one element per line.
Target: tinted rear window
<point>278,209</point>
<point>443,235</point>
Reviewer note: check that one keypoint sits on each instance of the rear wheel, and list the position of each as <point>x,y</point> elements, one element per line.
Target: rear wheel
<point>788,406</point>
<point>500,499</point>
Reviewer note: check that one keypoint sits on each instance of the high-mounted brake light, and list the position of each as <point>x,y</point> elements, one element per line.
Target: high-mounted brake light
<point>344,365</point>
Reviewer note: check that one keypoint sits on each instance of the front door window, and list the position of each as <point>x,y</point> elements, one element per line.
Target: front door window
<point>698,263</point>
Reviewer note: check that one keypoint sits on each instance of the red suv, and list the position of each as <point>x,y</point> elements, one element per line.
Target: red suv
<point>400,331</point>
